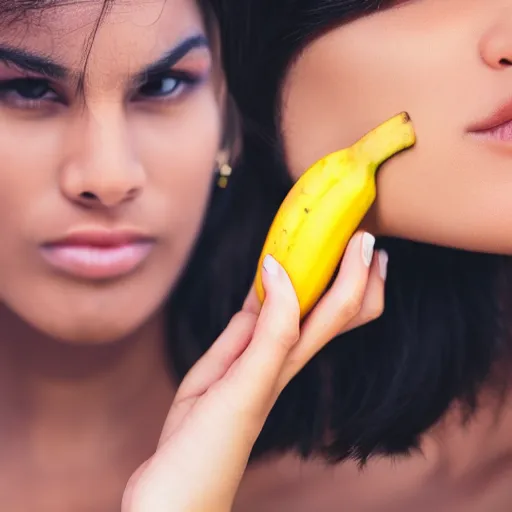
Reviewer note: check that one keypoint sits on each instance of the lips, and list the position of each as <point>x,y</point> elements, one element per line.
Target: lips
<point>497,127</point>
<point>98,254</point>
<point>502,132</point>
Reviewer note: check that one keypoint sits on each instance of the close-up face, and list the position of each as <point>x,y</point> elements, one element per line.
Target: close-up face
<point>448,63</point>
<point>108,139</point>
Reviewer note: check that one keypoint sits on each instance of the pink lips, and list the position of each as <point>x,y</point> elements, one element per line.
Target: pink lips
<point>502,132</point>
<point>98,254</point>
<point>497,127</point>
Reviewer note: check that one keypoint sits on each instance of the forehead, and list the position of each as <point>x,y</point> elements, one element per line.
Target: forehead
<point>111,30</point>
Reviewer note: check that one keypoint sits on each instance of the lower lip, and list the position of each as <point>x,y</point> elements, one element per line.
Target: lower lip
<point>93,262</point>
<point>501,133</point>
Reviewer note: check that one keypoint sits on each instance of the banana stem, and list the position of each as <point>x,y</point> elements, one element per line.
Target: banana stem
<point>386,140</point>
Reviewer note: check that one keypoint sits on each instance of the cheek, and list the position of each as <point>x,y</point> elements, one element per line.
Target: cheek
<point>348,82</point>
<point>29,156</point>
<point>179,155</point>
<point>456,196</point>
<point>447,190</point>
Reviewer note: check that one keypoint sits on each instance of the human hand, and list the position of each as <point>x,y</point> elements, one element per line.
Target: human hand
<point>223,402</point>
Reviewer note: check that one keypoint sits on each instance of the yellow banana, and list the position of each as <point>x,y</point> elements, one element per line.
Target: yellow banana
<point>324,208</point>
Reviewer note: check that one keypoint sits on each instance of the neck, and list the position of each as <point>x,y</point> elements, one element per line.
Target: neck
<point>119,392</point>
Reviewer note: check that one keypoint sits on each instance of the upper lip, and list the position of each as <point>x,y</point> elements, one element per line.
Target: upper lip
<point>499,117</point>
<point>101,237</point>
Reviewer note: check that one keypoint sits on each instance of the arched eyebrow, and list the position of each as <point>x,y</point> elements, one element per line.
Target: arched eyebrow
<point>172,57</point>
<point>27,61</point>
<point>44,65</point>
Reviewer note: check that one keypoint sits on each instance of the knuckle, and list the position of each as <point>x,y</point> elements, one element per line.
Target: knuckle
<point>287,334</point>
<point>287,325</point>
<point>291,333</point>
<point>375,310</point>
<point>369,312</point>
<point>351,307</point>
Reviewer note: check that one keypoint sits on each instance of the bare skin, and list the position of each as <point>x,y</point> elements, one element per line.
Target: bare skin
<point>84,384</point>
<point>85,390</point>
<point>77,419</point>
<point>124,154</point>
<point>449,65</point>
<point>466,471</point>
<point>87,402</point>
<point>447,62</point>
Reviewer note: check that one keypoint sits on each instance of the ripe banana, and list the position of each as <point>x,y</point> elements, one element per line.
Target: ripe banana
<point>324,208</point>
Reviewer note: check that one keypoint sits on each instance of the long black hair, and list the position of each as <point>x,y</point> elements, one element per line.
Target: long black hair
<point>377,389</point>
<point>373,390</point>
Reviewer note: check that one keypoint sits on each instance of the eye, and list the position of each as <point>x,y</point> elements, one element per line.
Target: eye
<point>167,87</point>
<point>160,87</point>
<point>26,92</point>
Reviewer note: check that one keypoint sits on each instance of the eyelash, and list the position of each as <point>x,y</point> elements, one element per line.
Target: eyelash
<point>12,90</point>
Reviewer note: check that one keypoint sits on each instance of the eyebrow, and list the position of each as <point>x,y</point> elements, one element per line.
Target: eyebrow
<point>172,57</point>
<point>27,61</point>
<point>43,65</point>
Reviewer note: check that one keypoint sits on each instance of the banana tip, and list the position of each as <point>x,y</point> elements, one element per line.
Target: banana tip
<point>406,117</point>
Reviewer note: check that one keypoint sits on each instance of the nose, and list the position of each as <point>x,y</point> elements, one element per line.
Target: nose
<point>496,45</point>
<point>101,170</point>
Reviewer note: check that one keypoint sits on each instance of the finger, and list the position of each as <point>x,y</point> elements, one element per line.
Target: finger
<point>373,302</point>
<point>252,304</point>
<point>277,330</point>
<point>220,356</point>
<point>249,382</point>
<point>209,369</point>
<point>337,308</point>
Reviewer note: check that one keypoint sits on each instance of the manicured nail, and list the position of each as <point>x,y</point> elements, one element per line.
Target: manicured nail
<point>383,264</point>
<point>270,265</point>
<point>367,245</point>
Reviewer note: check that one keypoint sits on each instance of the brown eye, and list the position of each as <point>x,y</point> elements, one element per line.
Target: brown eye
<point>27,93</point>
<point>30,89</point>
<point>169,86</point>
<point>161,87</point>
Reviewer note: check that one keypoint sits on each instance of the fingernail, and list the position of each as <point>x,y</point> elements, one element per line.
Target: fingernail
<point>270,265</point>
<point>383,264</point>
<point>367,245</point>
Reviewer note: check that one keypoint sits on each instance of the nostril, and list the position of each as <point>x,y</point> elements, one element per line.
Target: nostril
<point>132,193</point>
<point>88,195</point>
<point>506,62</point>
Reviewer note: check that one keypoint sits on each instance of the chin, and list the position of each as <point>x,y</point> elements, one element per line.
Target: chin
<point>83,316</point>
<point>102,332</point>
<point>84,329</point>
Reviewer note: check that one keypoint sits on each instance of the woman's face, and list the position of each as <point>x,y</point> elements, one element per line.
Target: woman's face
<point>105,175</point>
<point>449,64</point>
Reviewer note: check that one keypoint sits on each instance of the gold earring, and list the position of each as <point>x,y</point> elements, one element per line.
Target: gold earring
<point>224,170</point>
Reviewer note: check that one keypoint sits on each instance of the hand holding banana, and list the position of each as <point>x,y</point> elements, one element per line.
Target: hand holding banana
<point>222,404</point>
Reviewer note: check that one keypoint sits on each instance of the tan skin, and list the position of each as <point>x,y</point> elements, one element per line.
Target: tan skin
<point>84,389</point>
<point>412,57</point>
<point>448,63</point>
<point>72,401</point>
<point>90,418</point>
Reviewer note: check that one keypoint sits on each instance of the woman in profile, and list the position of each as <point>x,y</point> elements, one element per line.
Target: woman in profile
<point>420,397</point>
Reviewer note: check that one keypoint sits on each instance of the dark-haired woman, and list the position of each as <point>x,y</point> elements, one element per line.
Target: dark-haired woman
<point>114,122</point>
<point>422,396</point>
